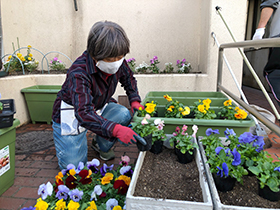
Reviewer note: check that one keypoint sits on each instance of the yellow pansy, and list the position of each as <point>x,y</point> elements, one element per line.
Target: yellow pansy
<point>167,97</point>
<point>30,55</point>
<point>72,171</point>
<point>126,179</point>
<point>227,102</point>
<point>150,107</point>
<point>207,106</point>
<point>207,101</point>
<point>60,205</point>
<point>72,205</point>
<point>29,46</point>
<point>41,205</point>
<point>200,108</point>
<point>180,109</point>
<point>58,176</point>
<point>92,206</point>
<point>237,109</point>
<point>22,59</point>
<point>117,208</point>
<point>241,114</point>
<point>29,58</point>
<point>186,111</point>
<point>170,108</point>
<point>9,57</point>
<point>107,178</point>
<point>19,54</point>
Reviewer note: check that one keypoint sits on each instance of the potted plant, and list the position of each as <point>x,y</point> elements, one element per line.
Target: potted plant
<point>87,187</point>
<point>150,109</point>
<point>268,174</point>
<point>153,133</point>
<point>183,144</point>
<point>175,109</point>
<point>202,110</point>
<point>231,112</point>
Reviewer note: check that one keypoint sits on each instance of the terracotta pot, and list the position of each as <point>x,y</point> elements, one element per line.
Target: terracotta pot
<point>268,194</point>
<point>157,147</point>
<point>184,158</point>
<point>224,184</point>
<point>146,147</point>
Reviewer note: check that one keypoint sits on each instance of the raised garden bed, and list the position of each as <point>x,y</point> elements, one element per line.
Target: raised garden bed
<point>161,182</point>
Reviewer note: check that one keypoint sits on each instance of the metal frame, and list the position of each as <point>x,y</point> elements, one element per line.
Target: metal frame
<point>274,42</point>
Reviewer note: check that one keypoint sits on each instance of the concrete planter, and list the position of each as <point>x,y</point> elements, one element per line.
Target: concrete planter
<point>217,204</point>
<point>135,203</point>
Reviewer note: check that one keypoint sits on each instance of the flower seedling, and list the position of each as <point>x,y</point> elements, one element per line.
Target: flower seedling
<point>87,187</point>
<point>230,112</point>
<point>131,63</point>
<point>175,109</point>
<point>56,64</point>
<point>153,65</point>
<point>202,110</point>
<point>150,108</point>
<point>183,141</point>
<point>183,66</point>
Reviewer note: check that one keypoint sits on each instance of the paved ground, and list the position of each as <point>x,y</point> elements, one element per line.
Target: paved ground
<point>40,167</point>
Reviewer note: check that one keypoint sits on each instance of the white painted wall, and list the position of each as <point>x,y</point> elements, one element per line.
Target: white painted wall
<point>170,29</point>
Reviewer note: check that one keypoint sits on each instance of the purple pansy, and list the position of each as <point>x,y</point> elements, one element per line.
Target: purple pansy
<point>62,192</point>
<point>229,132</point>
<point>76,195</point>
<point>104,169</point>
<point>277,169</point>
<point>258,143</point>
<point>223,170</point>
<point>92,165</point>
<point>236,157</point>
<point>246,137</point>
<point>80,167</point>
<point>69,166</point>
<point>45,190</point>
<point>126,170</point>
<point>209,131</point>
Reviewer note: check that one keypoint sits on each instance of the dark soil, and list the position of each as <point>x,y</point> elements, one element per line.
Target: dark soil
<point>162,176</point>
<point>246,195</point>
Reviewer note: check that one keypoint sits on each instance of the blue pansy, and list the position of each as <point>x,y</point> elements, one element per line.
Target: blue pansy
<point>229,132</point>
<point>246,137</point>
<point>236,157</point>
<point>277,169</point>
<point>223,170</point>
<point>209,131</point>
<point>258,143</point>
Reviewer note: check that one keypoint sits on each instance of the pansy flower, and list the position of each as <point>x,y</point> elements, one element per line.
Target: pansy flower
<point>92,165</point>
<point>104,169</point>
<point>246,137</point>
<point>258,143</point>
<point>60,205</point>
<point>62,192</point>
<point>85,176</point>
<point>127,171</point>
<point>121,186</point>
<point>72,205</point>
<point>41,205</point>
<point>96,191</point>
<point>76,195</point>
<point>111,203</point>
<point>223,170</point>
<point>45,190</point>
<point>229,132</point>
<point>236,157</point>
<point>209,131</point>
<point>71,182</point>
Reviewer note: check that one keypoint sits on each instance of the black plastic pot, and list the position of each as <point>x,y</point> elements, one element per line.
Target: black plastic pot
<point>268,194</point>
<point>224,184</point>
<point>157,147</point>
<point>184,158</point>
<point>146,147</point>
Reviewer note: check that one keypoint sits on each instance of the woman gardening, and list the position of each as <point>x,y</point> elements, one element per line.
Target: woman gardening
<point>85,100</point>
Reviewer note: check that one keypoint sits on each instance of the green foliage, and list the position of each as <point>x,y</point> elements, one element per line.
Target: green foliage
<point>1,106</point>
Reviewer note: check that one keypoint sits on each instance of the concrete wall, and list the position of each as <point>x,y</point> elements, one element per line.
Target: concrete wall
<point>170,29</point>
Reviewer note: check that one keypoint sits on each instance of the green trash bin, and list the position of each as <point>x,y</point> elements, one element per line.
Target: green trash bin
<point>7,156</point>
<point>40,100</point>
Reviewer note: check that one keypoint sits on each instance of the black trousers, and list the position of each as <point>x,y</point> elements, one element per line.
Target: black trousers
<point>272,73</point>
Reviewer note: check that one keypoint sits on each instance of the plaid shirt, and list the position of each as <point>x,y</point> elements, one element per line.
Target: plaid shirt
<point>88,89</point>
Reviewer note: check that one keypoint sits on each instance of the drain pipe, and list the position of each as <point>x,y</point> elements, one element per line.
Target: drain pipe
<point>250,68</point>
<point>75,5</point>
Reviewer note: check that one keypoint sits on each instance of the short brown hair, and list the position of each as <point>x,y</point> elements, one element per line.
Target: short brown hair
<point>107,39</point>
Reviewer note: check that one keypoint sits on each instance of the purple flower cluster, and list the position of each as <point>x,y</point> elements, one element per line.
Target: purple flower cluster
<point>154,60</point>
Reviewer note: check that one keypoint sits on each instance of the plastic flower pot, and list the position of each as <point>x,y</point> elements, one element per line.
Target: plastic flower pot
<point>224,184</point>
<point>268,194</point>
<point>40,100</point>
<point>140,203</point>
<point>157,147</point>
<point>184,158</point>
<point>146,147</point>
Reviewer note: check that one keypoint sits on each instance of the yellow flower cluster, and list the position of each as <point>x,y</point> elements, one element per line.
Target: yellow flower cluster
<point>241,114</point>
<point>204,106</point>
<point>150,107</point>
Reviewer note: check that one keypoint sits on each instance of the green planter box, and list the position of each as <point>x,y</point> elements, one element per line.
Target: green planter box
<point>7,156</point>
<point>40,99</point>
<point>187,98</point>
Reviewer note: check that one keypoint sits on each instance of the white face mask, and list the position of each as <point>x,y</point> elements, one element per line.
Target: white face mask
<point>109,67</point>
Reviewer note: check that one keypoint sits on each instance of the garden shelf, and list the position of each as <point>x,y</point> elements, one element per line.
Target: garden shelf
<point>40,100</point>
<point>217,204</point>
<point>137,202</point>
<point>187,98</point>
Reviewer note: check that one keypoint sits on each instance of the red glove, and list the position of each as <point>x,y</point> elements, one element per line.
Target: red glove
<point>127,135</point>
<point>135,105</point>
